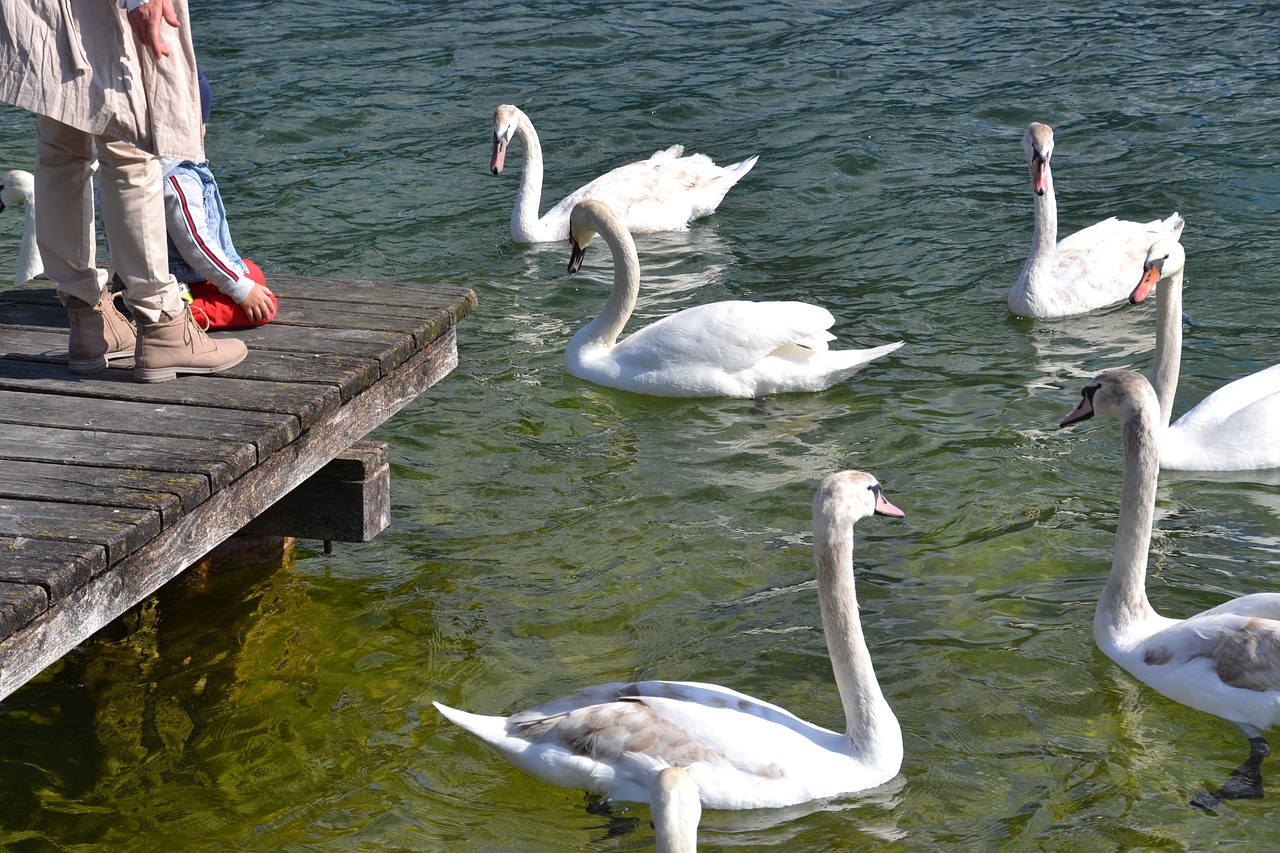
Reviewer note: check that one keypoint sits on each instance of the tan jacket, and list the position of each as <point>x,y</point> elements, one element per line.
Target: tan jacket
<point>77,61</point>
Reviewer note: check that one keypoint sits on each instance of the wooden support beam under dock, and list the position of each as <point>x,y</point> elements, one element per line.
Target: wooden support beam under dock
<point>109,488</point>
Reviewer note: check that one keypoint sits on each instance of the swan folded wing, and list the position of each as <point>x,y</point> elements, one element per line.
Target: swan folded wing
<point>677,723</point>
<point>1254,399</point>
<point>728,336</point>
<point>1243,649</point>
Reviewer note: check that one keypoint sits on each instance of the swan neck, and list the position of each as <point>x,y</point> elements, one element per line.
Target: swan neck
<point>605,329</point>
<point>1039,266</point>
<point>864,703</point>
<point>1124,598</point>
<point>524,217</point>
<point>1167,362</point>
<point>29,261</point>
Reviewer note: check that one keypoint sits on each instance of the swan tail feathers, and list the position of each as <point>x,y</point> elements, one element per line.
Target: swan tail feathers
<point>1174,225</point>
<point>491,730</point>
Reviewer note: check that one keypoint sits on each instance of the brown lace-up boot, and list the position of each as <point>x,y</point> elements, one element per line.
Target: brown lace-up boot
<point>98,333</point>
<point>178,345</point>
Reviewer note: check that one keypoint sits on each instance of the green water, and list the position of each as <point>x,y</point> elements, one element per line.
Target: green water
<point>550,534</point>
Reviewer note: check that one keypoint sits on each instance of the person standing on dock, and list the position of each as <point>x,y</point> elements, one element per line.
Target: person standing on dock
<point>115,86</point>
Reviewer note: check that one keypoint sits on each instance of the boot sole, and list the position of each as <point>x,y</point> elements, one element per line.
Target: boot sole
<point>167,374</point>
<point>95,365</point>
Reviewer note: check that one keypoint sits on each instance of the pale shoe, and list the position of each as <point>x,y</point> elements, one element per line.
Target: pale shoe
<point>169,347</point>
<point>98,333</point>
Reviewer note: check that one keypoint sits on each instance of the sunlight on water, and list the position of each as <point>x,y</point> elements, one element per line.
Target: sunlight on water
<point>549,534</point>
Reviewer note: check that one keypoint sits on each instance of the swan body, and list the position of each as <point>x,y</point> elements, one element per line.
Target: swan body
<point>1089,269</point>
<point>729,349</point>
<point>741,752</point>
<point>1224,661</point>
<point>17,189</point>
<point>676,811</point>
<point>663,193</point>
<point>1237,427</point>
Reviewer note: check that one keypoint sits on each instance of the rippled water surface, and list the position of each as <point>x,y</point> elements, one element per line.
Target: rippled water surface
<point>550,534</point>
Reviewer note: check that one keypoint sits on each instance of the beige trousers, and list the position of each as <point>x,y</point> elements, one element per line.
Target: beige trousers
<point>132,202</point>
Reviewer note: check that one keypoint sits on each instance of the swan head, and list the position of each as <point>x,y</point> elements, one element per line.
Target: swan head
<point>506,118</point>
<point>1164,258</point>
<point>583,223</point>
<point>16,188</point>
<point>1116,393</point>
<point>857,492</point>
<point>1038,143</point>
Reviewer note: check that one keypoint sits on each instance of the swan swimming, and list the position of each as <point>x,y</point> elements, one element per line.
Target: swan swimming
<point>723,349</point>
<point>1224,661</point>
<point>17,189</point>
<point>1237,427</point>
<point>742,752</point>
<point>1089,269</point>
<point>663,193</point>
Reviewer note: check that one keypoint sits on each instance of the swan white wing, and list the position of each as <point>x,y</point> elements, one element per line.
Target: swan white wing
<point>1236,427</point>
<point>728,336</point>
<point>1228,651</point>
<point>664,192</point>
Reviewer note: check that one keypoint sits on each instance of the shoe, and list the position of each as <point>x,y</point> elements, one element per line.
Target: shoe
<point>99,333</point>
<point>178,345</point>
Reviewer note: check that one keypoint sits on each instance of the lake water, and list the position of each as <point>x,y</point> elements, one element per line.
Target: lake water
<point>550,534</point>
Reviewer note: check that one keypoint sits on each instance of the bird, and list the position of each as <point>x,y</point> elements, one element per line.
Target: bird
<point>17,189</point>
<point>743,753</point>
<point>663,193</point>
<point>721,349</point>
<point>1224,661</point>
<point>1237,427</point>
<point>676,811</point>
<point>1092,268</point>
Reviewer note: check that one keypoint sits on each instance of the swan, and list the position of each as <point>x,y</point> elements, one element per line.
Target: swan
<point>676,811</point>
<point>742,752</point>
<point>729,349</point>
<point>1237,427</point>
<point>17,188</point>
<point>1089,269</point>
<point>1224,661</point>
<point>663,193</point>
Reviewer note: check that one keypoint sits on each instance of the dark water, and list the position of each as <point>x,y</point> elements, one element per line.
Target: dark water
<point>550,534</point>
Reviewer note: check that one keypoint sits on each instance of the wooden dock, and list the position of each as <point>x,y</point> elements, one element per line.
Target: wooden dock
<point>109,487</point>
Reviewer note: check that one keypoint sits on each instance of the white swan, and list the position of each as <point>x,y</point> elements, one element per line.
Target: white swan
<point>742,752</point>
<point>729,349</point>
<point>1089,269</point>
<point>17,188</point>
<point>676,811</point>
<point>663,193</point>
<point>1237,427</point>
<point>1224,661</point>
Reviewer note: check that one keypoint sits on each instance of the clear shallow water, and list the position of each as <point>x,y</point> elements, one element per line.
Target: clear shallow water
<point>549,534</point>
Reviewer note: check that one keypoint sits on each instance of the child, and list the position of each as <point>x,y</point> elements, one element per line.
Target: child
<point>226,290</point>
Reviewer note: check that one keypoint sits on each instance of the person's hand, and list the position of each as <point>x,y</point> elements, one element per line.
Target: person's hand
<point>259,306</point>
<point>145,22</point>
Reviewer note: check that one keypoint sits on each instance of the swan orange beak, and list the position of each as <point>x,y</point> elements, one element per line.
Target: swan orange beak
<point>576,254</point>
<point>883,507</point>
<point>1150,276</point>
<point>499,154</point>
<point>1039,174</point>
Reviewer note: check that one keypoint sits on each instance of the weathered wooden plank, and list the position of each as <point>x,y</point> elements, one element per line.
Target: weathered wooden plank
<point>268,431</point>
<point>69,621</point>
<point>348,500</point>
<point>19,604</point>
<point>165,492</point>
<point>309,403</point>
<point>121,531</point>
<point>57,566</point>
<point>220,461</point>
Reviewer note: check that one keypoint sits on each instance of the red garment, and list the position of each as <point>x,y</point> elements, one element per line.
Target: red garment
<point>221,311</point>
